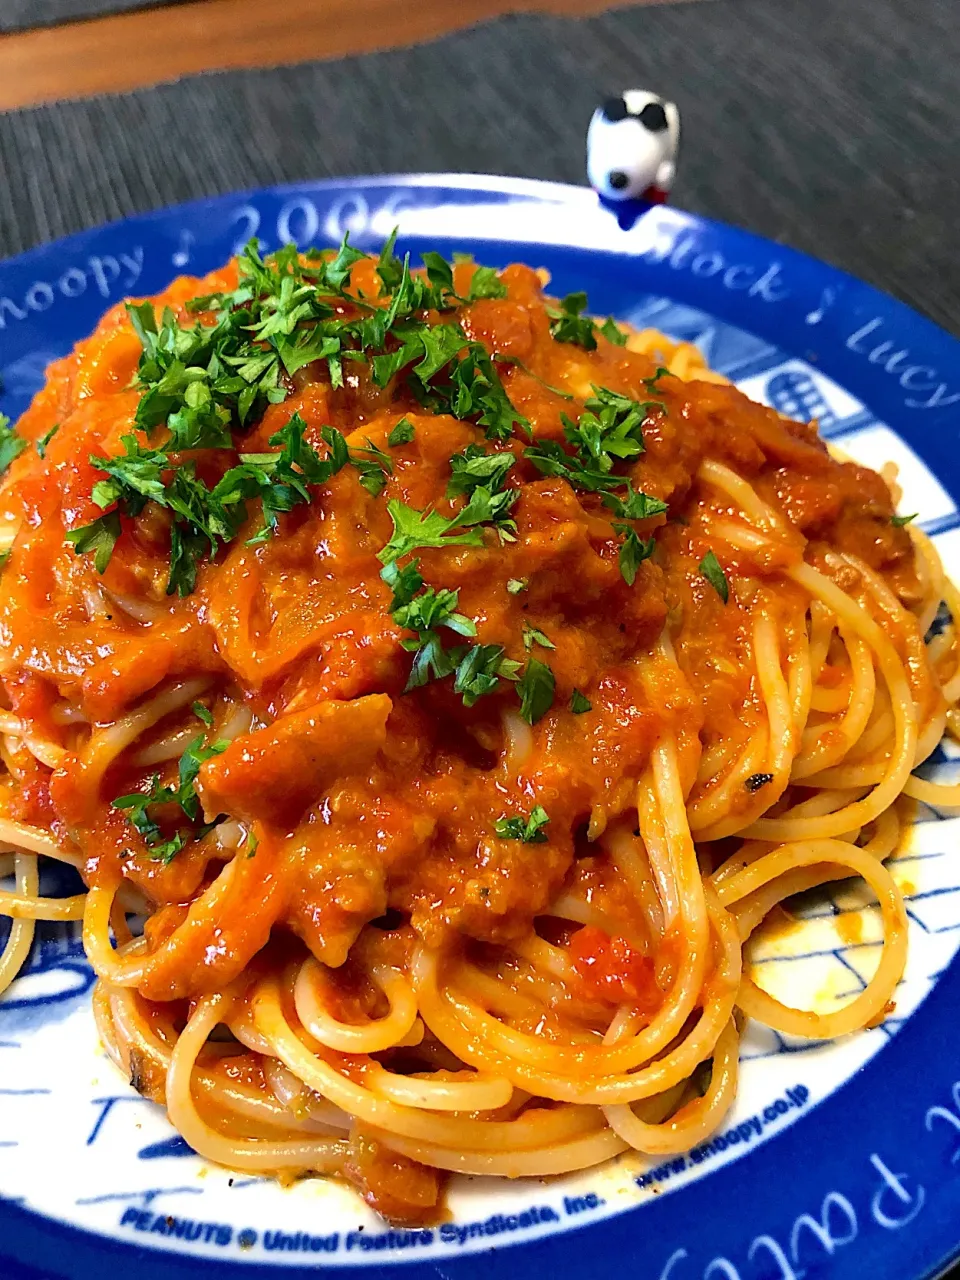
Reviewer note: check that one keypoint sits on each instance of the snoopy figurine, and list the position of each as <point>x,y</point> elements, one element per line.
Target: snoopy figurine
<point>632,145</point>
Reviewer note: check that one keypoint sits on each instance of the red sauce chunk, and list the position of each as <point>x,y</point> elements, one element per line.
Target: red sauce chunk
<point>611,970</point>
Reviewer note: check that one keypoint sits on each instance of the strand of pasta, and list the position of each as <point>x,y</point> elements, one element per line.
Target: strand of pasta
<point>788,858</point>
<point>694,1121</point>
<point>20,938</point>
<point>855,618</point>
<point>320,1154</point>
<point>622,1089</point>
<point>594,1076</point>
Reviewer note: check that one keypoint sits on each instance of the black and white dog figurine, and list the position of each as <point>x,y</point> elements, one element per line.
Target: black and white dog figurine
<point>632,146</point>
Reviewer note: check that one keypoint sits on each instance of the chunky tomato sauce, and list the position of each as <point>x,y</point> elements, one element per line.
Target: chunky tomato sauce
<point>362,798</point>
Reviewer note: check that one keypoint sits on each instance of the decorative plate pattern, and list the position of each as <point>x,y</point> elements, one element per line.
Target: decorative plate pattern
<point>838,1158</point>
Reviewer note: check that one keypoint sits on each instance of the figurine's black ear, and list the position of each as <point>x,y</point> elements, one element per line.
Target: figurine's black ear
<point>614,109</point>
<point>653,117</point>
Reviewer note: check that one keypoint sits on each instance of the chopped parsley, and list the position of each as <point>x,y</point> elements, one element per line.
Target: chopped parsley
<point>551,459</point>
<point>202,713</point>
<point>138,804</point>
<point>475,467</point>
<point>535,689</point>
<point>203,518</point>
<point>568,324</point>
<point>609,431</point>
<point>11,445</point>
<point>529,830</point>
<point>898,522</point>
<point>389,266</point>
<point>374,466</point>
<point>710,568</point>
<point>580,703</point>
<point>612,332</point>
<point>516,585</point>
<point>402,433</point>
<point>532,636</point>
<point>404,582</point>
<point>422,614</point>
<point>98,537</point>
<point>413,530</point>
<point>486,283</point>
<point>633,551</point>
<point>439,271</point>
<point>280,480</point>
<point>480,669</point>
<point>201,381</point>
<point>41,444</point>
<point>473,391</point>
<point>489,506</point>
<point>635,506</point>
<point>480,476</point>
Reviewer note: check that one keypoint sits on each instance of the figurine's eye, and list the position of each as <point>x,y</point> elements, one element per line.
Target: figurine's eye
<point>614,109</point>
<point>653,117</point>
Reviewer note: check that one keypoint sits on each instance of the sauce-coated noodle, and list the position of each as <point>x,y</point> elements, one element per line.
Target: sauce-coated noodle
<point>405,653</point>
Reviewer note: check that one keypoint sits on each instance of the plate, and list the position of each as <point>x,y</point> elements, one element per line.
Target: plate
<point>839,1159</point>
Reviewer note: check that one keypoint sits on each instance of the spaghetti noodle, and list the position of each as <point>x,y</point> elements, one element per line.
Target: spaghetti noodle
<point>454,684</point>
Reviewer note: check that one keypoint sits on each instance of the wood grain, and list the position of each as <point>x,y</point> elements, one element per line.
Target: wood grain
<point>129,50</point>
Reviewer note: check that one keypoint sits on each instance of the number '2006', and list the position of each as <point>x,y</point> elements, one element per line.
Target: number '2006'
<point>299,220</point>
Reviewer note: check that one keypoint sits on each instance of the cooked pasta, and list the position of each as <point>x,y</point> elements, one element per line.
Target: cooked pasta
<point>454,684</point>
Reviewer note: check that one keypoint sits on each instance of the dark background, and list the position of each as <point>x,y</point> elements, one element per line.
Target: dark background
<point>830,125</point>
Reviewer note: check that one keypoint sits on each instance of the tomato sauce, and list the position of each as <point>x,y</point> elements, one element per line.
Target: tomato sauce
<point>364,798</point>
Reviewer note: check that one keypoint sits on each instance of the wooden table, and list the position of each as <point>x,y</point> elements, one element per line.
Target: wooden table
<point>144,47</point>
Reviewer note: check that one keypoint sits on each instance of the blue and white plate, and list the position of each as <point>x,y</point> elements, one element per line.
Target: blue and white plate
<point>839,1160</point>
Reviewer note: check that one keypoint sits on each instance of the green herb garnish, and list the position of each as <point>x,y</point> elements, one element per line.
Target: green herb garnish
<point>402,433</point>
<point>579,703</point>
<point>485,283</point>
<point>635,506</point>
<point>201,382</point>
<point>11,445</point>
<point>41,444</point>
<point>535,690</point>
<point>480,669</point>
<point>413,530</point>
<point>532,636</point>
<point>137,805</point>
<point>610,429</point>
<point>529,830</point>
<point>710,568</point>
<point>612,332</point>
<point>423,614</point>
<point>474,467</point>
<point>100,537</point>
<point>568,324</point>
<point>633,551</point>
<point>374,466</point>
